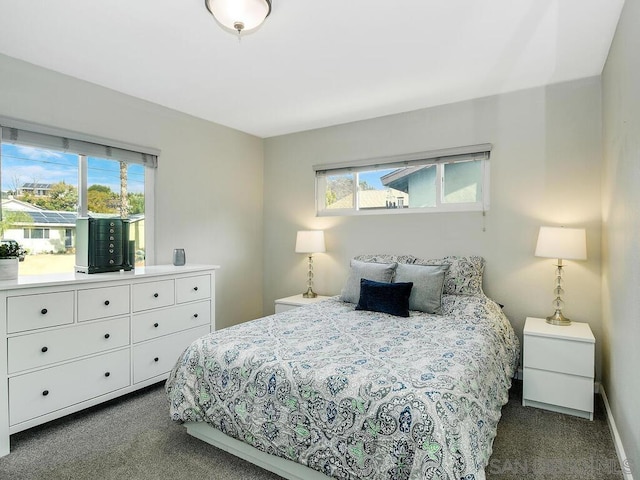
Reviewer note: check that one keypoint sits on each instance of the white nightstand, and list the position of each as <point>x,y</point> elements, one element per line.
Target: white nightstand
<point>295,301</point>
<point>558,367</point>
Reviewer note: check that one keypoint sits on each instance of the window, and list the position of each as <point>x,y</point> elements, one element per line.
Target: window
<point>439,181</point>
<point>36,233</point>
<point>50,178</point>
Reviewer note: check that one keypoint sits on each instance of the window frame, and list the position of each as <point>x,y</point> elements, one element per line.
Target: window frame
<point>150,171</point>
<point>45,233</point>
<point>439,158</point>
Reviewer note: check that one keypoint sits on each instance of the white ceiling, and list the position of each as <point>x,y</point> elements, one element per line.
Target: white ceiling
<point>313,63</point>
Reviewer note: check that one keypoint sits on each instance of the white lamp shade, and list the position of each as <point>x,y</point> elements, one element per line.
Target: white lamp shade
<point>562,243</point>
<point>251,13</point>
<point>310,241</point>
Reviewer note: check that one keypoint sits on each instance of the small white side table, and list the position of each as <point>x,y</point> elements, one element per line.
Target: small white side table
<point>295,301</point>
<point>559,367</point>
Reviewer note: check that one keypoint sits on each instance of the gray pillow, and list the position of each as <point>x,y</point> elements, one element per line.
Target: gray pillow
<point>428,284</point>
<point>378,272</point>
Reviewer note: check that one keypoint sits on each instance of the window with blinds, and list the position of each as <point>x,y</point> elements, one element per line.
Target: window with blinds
<point>51,177</point>
<point>455,179</point>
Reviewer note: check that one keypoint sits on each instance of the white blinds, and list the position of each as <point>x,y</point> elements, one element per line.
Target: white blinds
<point>457,154</point>
<point>71,143</point>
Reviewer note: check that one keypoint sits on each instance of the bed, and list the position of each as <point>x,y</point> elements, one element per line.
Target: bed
<point>343,389</point>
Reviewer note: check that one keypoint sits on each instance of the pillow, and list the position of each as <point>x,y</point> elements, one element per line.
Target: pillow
<point>391,298</point>
<point>379,272</point>
<point>464,276</point>
<point>428,285</point>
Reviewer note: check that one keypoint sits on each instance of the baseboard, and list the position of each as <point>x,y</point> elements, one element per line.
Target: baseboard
<point>617,442</point>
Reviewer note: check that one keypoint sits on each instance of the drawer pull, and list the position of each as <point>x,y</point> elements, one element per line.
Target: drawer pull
<point>195,288</point>
<point>195,315</point>
<point>106,302</point>
<point>45,393</point>
<point>156,359</point>
<point>44,349</point>
<point>156,324</point>
<point>155,295</point>
<point>106,374</point>
<point>106,335</point>
<point>43,311</point>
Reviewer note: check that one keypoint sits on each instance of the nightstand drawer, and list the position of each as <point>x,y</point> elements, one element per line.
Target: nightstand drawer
<point>283,307</point>
<point>558,389</point>
<point>559,355</point>
<point>295,301</point>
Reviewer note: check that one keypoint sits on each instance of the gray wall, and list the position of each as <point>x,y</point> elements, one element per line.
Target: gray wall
<point>208,196</point>
<point>621,230</point>
<point>545,170</point>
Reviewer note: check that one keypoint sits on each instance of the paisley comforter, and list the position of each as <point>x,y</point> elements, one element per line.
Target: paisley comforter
<point>355,394</point>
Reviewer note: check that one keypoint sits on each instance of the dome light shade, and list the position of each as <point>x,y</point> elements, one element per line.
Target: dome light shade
<point>239,15</point>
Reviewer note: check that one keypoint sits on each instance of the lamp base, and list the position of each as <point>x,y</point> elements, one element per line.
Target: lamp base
<point>558,319</point>
<point>309,294</point>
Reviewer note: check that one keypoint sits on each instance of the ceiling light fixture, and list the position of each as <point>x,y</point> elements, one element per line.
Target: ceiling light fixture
<point>239,15</point>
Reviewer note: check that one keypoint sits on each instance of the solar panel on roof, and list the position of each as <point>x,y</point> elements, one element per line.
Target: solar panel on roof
<point>53,217</point>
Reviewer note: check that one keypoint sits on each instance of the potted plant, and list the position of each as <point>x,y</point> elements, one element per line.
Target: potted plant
<point>10,254</point>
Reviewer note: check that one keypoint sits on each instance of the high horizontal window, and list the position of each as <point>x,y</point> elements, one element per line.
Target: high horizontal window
<point>454,179</point>
<point>50,178</point>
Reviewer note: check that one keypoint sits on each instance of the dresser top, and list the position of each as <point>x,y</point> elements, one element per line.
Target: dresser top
<point>58,279</point>
<point>577,331</point>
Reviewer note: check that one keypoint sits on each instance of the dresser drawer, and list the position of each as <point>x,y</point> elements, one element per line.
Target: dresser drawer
<point>51,389</point>
<point>44,348</point>
<point>156,323</point>
<point>97,303</point>
<point>29,312</point>
<point>193,288</point>
<point>153,295</point>
<point>559,355</point>
<point>558,389</point>
<point>159,356</point>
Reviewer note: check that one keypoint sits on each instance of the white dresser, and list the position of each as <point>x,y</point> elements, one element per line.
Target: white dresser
<point>558,369</point>
<point>72,341</point>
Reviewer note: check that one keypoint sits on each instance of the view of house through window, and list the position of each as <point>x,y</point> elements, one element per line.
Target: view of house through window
<point>40,203</point>
<point>449,185</point>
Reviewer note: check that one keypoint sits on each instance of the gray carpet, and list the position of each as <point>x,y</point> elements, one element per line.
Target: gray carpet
<point>132,438</point>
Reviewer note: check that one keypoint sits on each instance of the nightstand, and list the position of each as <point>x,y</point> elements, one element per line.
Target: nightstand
<point>558,367</point>
<point>295,301</point>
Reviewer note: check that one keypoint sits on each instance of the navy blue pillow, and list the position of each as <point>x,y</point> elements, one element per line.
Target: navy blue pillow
<point>391,298</point>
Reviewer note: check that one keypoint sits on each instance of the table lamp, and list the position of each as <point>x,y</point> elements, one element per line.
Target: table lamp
<point>310,242</point>
<point>561,243</point>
